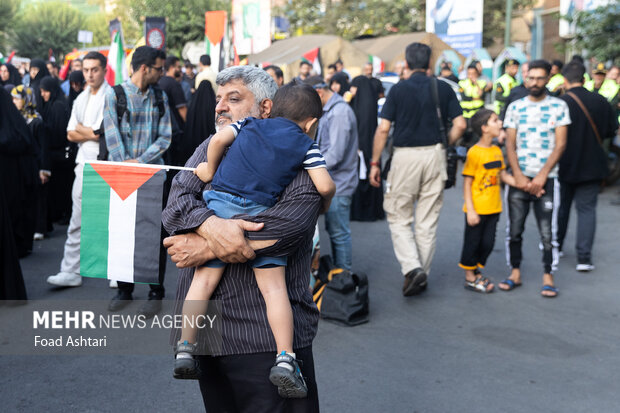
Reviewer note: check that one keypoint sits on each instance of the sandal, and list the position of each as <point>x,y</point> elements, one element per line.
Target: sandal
<point>511,285</point>
<point>479,285</point>
<point>549,288</point>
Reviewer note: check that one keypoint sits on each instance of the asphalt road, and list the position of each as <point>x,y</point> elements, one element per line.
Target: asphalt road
<point>448,350</point>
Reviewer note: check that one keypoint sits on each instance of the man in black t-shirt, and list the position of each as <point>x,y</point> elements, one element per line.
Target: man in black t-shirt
<point>169,84</point>
<point>178,110</point>
<point>415,183</point>
<point>583,165</point>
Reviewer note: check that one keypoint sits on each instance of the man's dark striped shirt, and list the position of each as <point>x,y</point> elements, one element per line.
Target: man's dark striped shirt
<point>291,221</point>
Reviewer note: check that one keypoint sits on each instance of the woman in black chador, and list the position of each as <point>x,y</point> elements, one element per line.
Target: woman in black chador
<point>18,175</point>
<point>367,203</point>
<point>55,112</point>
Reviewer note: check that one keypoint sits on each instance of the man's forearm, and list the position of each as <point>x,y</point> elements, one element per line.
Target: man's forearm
<point>459,124</point>
<point>378,144</point>
<point>81,134</point>
<point>556,154</point>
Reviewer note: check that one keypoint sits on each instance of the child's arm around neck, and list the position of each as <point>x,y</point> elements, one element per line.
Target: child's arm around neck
<point>215,152</point>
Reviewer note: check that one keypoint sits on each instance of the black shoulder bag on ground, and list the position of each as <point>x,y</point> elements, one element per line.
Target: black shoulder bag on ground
<point>340,295</point>
<point>451,155</point>
<point>121,109</point>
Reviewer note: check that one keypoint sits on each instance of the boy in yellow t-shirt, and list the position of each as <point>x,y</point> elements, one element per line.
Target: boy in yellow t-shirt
<point>482,172</point>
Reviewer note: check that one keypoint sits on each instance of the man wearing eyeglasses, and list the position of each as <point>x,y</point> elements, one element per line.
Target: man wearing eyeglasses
<point>536,127</point>
<point>143,136</point>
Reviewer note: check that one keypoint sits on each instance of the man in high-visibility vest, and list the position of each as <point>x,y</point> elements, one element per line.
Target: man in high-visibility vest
<point>472,91</point>
<point>605,87</point>
<point>556,83</point>
<point>505,83</point>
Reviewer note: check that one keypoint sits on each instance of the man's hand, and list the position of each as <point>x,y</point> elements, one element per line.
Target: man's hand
<point>537,184</point>
<point>374,177</point>
<point>188,250</point>
<point>44,176</point>
<point>226,239</point>
<point>131,161</point>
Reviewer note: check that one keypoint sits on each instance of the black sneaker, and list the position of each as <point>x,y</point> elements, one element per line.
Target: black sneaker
<point>186,368</point>
<point>290,382</point>
<point>119,301</point>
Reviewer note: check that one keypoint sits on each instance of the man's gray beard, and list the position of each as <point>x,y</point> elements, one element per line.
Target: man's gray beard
<point>254,112</point>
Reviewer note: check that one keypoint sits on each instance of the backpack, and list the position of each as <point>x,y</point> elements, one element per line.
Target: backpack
<point>121,109</point>
<point>340,295</point>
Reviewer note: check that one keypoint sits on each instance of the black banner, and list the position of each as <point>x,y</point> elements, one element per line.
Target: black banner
<point>115,26</point>
<point>155,32</point>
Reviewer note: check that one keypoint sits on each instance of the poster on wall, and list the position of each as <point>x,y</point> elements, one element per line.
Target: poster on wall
<point>251,20</point>
<point>458,23</point>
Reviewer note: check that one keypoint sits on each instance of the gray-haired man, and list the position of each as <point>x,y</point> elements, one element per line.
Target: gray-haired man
<point>233,378</point>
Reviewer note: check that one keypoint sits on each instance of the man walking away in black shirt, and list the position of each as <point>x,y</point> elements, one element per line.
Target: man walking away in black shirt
<point>415,183</point>
<point>584,163</point>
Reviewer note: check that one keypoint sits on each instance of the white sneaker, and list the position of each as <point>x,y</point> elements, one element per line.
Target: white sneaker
<point>113,284</point>
<point>65,279</point>
<point>38,236</point>
<point>584,267</point>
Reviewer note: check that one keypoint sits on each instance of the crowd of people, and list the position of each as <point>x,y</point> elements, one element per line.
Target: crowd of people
<point>554,126</point>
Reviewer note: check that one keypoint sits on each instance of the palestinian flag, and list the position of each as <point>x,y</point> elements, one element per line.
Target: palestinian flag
<point>121,221</point>
<point>314,58</point>
<point>117,70</point>
<point>378,65</point>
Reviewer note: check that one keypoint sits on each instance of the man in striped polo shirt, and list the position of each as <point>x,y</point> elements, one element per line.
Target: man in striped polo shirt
<point>233,377</point>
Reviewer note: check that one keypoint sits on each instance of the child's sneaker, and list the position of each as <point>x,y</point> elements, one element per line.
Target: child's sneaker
<point>287,376</point>
<point>185,365</point>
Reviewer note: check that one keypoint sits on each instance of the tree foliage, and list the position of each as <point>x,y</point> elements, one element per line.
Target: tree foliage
<point>351,19</point>
<point>598,32</point>
<point>8,10</point>
<point>43,26</point>
<point>98,24</point>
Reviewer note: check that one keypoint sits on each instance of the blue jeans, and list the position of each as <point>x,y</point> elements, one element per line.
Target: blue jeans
<point>227,205</point>
<point>337,225</point>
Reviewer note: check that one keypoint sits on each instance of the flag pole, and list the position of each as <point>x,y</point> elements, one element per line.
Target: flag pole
<point>140,165</point>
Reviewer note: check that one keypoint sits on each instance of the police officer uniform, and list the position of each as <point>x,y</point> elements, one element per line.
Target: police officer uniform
<point>503,86</point>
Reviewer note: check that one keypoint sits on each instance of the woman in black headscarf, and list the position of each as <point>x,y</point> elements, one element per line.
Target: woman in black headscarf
<point>367,202</point>
<point>23,98</point>
<point>9,75</point>
<point>18,175</point>
<point>38,70</point>
<point>76,86</point>
<point>339,83</point>
<point>55,112</point>
<point>200,122</point>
